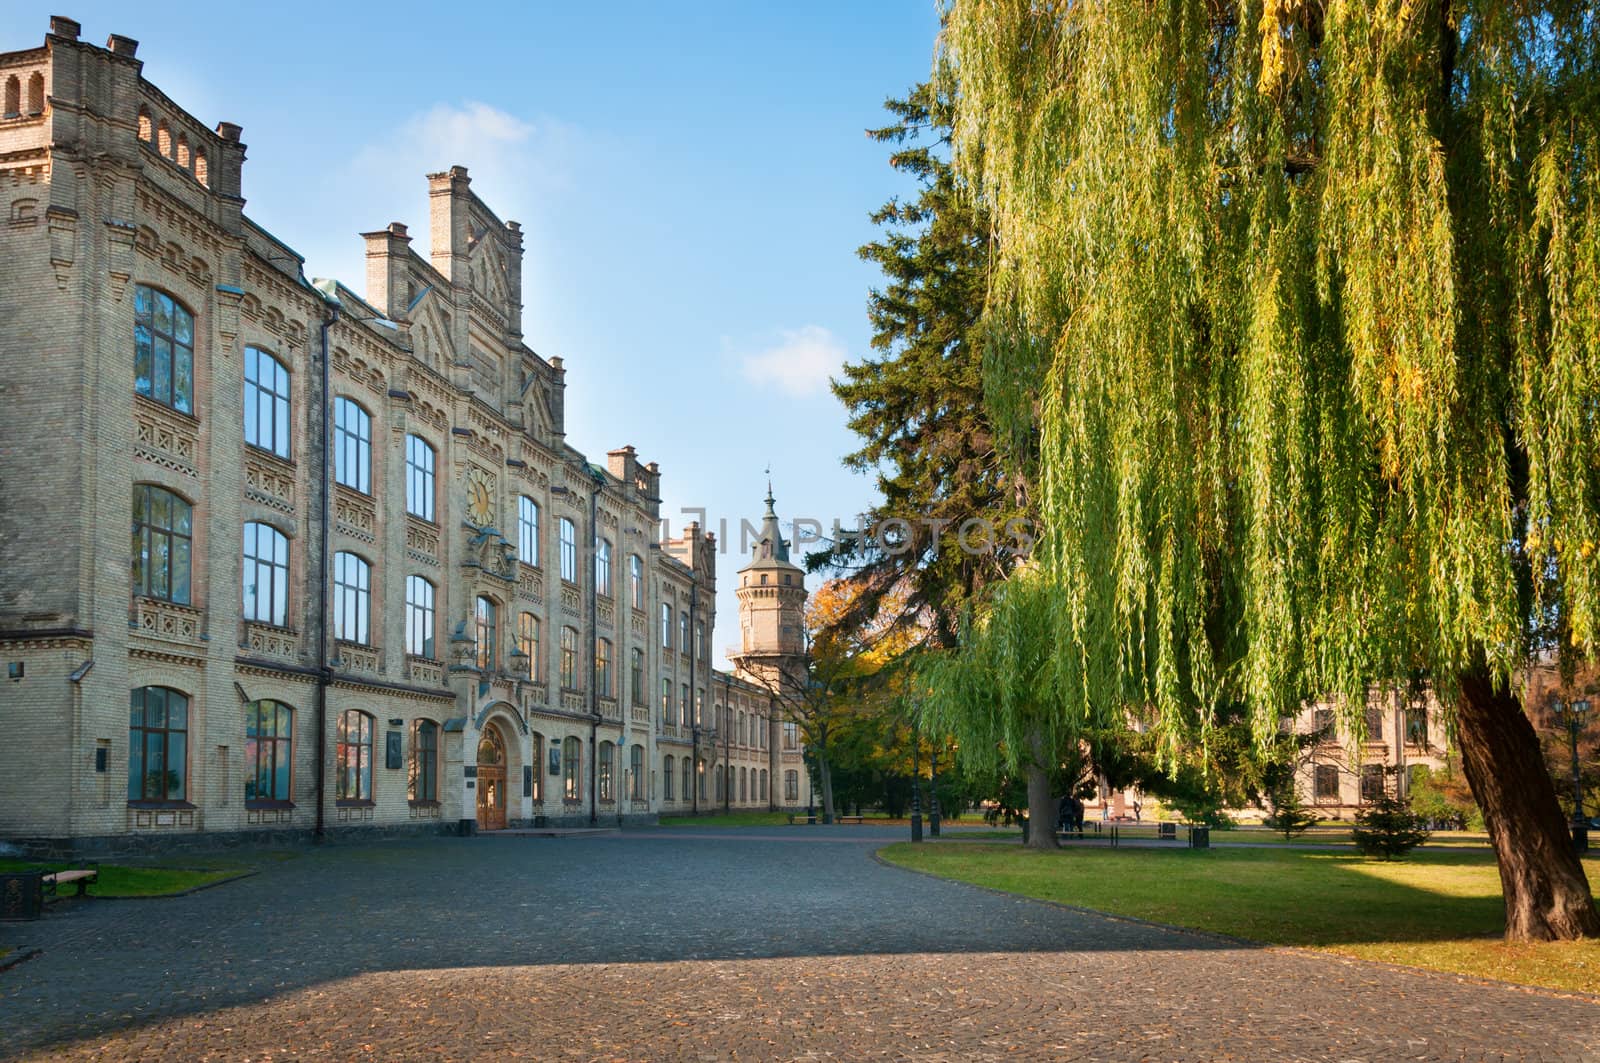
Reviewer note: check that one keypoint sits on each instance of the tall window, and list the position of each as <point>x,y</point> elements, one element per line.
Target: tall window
<point>571,790</point>
<point>527,530</point>
<point>569,551</point>
<point>484,630</point>
<point>636,677</point>
<point>741,729</point>
<point>763,784</point>
<point>1374,723</point>
<point>1417,727</point>
<point>538,768</point>
<point>569,658</point>
<point>602,667</point>
<point>1322,723</point>
<point>636,768</point>
<point>158,745</point>
<point>602,567</point>
<point>683,705</point>
<point>419,477</point>
<point>683,633</point>
<point>419,617</point>
<point>791,785</point>
<point>791,735</point>
<point>266,402</point>
<point>699,640</point>
<point>355,756</point>
<point>744,785</point>
<point>1372,788</point>
<point>268,751</point>
<point>423,783</point>
<point>163,543</point>
<point>266,574</point>
<point>667,715</point>
<point>528,643</point>
<point>700,777</point>
<point>667,766</point>
<point>352,598</point>
<point>163,349</point>
<point>636,580</point>
<point>608,790</point>
<point>1327,782</point>
<point>352,445</point>
<point>688,781</point>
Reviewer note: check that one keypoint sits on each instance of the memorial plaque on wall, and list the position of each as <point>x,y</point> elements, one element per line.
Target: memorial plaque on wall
<point>527,780</point>
<point>391,750</point>
<point>555,760</point>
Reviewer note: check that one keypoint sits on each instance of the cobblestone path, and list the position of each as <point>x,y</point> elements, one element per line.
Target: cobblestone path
<point>704,945</point>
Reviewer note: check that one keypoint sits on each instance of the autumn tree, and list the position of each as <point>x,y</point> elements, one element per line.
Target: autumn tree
<point>1311,291</point>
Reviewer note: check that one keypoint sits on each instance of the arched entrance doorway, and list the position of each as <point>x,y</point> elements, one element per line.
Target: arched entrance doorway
<point>491,780</point>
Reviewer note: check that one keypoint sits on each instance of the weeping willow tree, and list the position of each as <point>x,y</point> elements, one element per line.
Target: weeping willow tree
<point>998,692</point>
<point>1311,289</point>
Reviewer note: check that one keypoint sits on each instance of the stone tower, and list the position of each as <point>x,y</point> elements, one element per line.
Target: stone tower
<point>772,601</point>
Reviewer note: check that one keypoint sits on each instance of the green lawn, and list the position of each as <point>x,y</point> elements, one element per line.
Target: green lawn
<point>732,819</point>
<point>119,881</point>
<point>1435,909</point>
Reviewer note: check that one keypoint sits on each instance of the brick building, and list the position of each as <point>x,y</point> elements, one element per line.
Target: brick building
<point>370,585</point>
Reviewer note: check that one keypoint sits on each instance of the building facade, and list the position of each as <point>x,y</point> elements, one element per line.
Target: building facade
<point>369,584</point>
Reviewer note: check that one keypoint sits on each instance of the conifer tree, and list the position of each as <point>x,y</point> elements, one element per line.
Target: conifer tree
<point>1311,290</point>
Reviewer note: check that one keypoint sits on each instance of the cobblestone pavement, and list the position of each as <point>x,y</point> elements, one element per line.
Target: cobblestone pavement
<point>705,944</point>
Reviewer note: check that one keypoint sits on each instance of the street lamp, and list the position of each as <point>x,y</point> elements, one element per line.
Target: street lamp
<point>933,792</point>
<point>916,786</point>
<point>1572,713</point>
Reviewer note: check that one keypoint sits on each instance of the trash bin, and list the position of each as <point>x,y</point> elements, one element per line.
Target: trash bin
<point>21,895</point>
<point>1199,837</point>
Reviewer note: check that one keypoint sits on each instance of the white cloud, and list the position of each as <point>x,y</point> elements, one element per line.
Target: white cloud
<point>799,363</point>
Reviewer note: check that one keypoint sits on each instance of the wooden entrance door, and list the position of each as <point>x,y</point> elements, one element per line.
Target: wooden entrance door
<point>491,780</point>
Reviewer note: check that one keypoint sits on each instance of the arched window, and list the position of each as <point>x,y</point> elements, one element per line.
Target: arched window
<point>718,773</point>
<point>352,445</point>
<point>529,643</point>
<point>688,781</point>
<point>419,477</point>
<point>163,349</point>
<point>13,97</point>
<point>602,567</point>
<point>202,172</point>
<point>419,617</point>
<point>569,551</point>
<point>164,138</point>
<point>741,730</point>
<point>569,658</point>
<point>700,777</point>
<point>571,779</point>
<point>538,768</point>
<point>268,752</point>
<point>700,641</point>
<point>36,93</point>
<point>266,402</point>
<point>528,530</point>
<point>666,625</point>
<point>352,598</point>
<point>354,756</point>
<point>667,777</point>
<point>163,544</point>
<point>683,634</point>
<point>183,151</point>
<point>667,715</point>
<point>791,785</point>
<point>607,784</point>
<point>484,617</point>
<point>763,784</point>
<point>636,581</point>
<point>636,768</point>
<point>266,574</point>
<point>744,785</point>
<point>602,668</point>
<point>687,711</point>
<point>636,677</point>
<point>158,745</point>
<point>146,129</point>
<point>422,784</point>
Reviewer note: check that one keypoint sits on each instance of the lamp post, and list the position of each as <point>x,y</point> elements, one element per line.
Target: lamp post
<point>1572,713</point>
<point>916,787</point>
<point>933,793</point>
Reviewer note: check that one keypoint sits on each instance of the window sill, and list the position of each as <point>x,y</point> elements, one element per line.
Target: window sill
<point>179,805</point>
<point>420,519</point>
<point>422,804</point>
<point>271,455</point>
<point>355,802</point>
<point>264,806</point>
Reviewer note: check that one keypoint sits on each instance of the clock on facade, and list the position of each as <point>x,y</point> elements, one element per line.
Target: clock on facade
<point>480,497</point>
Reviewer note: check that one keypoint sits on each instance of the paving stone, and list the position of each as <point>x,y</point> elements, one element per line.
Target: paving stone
<point>706,944</point>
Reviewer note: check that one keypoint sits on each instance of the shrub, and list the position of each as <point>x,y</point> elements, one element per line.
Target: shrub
<point>1289,814</point>
<point>1388,829</point>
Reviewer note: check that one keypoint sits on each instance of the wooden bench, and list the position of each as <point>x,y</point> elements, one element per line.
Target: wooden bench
<point>82,876</point>
<point>849,819</point>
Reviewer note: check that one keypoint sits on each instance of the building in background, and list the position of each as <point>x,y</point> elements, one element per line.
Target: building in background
<point>279,557</point>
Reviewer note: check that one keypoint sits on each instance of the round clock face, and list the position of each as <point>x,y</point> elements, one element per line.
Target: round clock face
<point>480,502</point>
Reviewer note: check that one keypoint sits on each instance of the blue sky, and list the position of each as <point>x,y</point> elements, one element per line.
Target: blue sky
<point>693,180</point>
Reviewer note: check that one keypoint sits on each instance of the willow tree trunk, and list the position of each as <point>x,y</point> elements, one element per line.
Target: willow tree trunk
<point>1041,810</point>
<point>1547,896</point>
<point>825,776</point>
